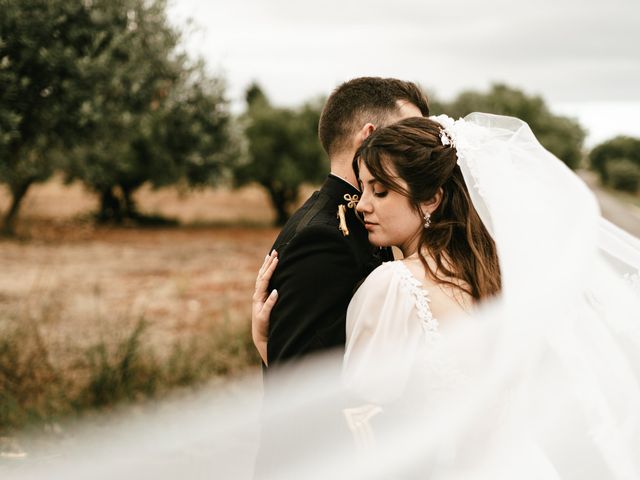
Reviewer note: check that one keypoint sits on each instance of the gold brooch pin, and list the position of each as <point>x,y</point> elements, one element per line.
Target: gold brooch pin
<point>352,199</point>
<point>352,203</point>
<point>343,220</point>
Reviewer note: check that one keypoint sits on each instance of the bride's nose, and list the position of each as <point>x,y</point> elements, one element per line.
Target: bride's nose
<point>364,205</point>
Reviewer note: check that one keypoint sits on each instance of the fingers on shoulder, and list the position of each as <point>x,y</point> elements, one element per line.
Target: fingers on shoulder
<point>268,260</point>
<point>270,301</point>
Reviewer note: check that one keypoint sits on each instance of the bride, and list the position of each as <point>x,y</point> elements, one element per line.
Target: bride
<point>513,315</point>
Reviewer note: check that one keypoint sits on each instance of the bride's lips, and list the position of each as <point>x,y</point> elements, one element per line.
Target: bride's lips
<point>369,225</point>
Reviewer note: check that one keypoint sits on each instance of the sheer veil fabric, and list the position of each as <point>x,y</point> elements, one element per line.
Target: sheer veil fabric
<point>542,383</point>
<point>546,377</point>
<point>569,331</point>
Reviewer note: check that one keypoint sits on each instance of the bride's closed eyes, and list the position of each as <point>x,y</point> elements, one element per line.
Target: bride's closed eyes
<point>380,192</point>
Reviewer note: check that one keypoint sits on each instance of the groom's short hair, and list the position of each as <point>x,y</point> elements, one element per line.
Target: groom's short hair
<point>360,101</point>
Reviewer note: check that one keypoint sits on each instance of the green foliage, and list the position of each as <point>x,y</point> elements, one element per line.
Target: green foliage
<point>44,46</point>
<point>437,106</point>
<point>562,136</point>
<point>100,90</point>
<point>623,174</point>
<point>33,390</point>
<point>30,387</point>
<point>158,119</point>
<point>124,376</point>
<point>617,148</point>
<point>284,150</point>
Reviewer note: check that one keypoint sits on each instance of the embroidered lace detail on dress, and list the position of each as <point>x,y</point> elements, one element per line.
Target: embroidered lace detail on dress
<point>421,296</point>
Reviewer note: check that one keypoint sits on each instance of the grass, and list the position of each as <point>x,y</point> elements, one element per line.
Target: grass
<point>93,316</point>
<point>34,390</point>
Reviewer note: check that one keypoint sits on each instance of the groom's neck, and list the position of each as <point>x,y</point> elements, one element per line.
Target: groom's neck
<point>341,167</point>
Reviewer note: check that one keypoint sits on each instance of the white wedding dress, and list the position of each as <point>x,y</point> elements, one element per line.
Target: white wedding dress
<point>543,382</point>
<point>390,308</point>
<point>393,345</point>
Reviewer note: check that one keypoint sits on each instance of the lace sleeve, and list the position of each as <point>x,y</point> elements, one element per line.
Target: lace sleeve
<point>388,321</point>
<point>421,296</point>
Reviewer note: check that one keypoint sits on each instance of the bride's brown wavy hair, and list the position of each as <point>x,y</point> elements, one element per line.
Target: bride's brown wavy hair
<point>457,239</point>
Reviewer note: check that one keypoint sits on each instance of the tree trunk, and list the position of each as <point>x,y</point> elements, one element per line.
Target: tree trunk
<point>282,199</point>
<point>17,195</point>
<point>130,210</point>
<point>282,215</point>
<point>110,207</point>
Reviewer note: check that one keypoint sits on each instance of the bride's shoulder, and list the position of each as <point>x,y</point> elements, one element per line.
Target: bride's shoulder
<point>387,279</point>
<point>385,289</point>
<point>387,272</point>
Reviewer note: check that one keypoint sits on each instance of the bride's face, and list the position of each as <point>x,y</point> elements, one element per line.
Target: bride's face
<point>389,217</point>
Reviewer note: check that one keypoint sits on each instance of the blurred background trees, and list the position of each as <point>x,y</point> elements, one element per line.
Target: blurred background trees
<point>617,161</point>
<point>100,91</point>
<point>284,150</point>
<point>158,118</point>
<point>562,136</point>
<point>45,46</point>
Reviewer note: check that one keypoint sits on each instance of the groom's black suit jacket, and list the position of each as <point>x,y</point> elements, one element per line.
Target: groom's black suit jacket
<point>318,271</point>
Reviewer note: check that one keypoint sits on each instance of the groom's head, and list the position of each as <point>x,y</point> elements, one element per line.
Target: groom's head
<point>360,105</point>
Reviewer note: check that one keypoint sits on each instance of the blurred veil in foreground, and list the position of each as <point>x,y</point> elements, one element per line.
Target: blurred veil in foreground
<point>544,382</point>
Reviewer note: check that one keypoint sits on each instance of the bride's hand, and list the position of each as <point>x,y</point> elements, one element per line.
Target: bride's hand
<point>263,303</point>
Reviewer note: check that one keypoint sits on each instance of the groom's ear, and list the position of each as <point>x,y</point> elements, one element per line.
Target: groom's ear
<point>366,130</point>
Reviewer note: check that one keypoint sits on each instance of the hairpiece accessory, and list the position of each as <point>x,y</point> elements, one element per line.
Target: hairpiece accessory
<point>445,138</point>
<point>427,220</point>
<point>447,129</point>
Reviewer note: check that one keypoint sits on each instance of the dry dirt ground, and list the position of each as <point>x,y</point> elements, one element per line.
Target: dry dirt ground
<point>83,284</point>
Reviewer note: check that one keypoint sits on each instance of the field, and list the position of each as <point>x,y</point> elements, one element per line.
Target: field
<point>92,315</point>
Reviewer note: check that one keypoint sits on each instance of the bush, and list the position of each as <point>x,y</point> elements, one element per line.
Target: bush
<point>623,174</point>
<point>615,149</point>
<point>33,390</point>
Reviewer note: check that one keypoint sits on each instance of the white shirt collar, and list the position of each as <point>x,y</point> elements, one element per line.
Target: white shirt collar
<point>344,180</point>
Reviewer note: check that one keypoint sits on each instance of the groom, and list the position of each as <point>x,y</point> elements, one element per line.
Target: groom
<point>324,254</point>
<point>323,249</point>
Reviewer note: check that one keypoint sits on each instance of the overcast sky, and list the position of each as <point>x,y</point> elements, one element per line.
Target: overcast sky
<point>580,55</point>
